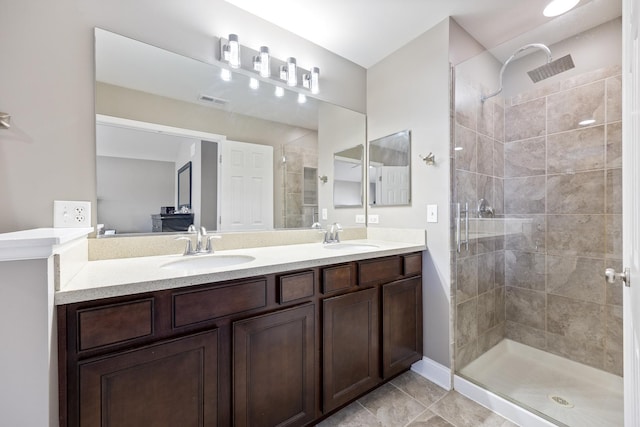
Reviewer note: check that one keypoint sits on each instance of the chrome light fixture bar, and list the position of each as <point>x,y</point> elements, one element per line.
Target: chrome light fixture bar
<point>262,63</point>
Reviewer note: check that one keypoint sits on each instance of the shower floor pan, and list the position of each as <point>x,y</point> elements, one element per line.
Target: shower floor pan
<point>573,394</point>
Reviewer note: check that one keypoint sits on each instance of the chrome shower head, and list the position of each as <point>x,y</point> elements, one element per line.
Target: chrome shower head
<point>551,68</point>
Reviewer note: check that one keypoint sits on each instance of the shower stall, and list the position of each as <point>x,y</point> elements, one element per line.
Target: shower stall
<point>536,188</point>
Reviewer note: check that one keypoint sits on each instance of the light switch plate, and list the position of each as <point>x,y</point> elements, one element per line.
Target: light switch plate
<point>432,213</point>
<point>374,219</point>
<point>360,219</point>
<point>324,213</point>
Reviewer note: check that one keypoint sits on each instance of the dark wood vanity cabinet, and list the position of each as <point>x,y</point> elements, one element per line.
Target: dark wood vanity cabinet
<point>278,350</point>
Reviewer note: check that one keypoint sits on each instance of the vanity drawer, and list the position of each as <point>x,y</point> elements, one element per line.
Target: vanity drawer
<point>218,301</point>
<point>337,278</point>
<point>379,270</point>
<point>412,264</point>
<point>114,324</point>
<point>295,286</point>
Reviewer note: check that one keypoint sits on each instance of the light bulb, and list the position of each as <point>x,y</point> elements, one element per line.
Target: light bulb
<point>302,98</point>
<point>225,74</point>
<point>279,91</point>
<point>292,75</point>
<point>265,62</point>
<point>254,83</point>
<point>234,51</point>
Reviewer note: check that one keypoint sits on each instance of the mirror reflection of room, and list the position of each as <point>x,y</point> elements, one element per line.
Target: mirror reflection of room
<point>390,170</point>
<point>347,181</point>
<point>153,121</point>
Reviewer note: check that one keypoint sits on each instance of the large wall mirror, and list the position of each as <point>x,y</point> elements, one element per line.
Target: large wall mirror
<point>157,110</point>
<point>347,177</point>
<point>390,170</point>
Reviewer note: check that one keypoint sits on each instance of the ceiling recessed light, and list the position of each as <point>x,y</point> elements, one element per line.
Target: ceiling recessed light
<point>558,7</point>
<point>587,122</point>
<point>458,148</point>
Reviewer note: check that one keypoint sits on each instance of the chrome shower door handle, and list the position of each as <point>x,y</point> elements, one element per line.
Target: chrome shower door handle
<point>459,213</point>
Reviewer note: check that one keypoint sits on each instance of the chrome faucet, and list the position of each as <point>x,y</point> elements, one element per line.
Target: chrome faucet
<point>331,234</point>
<point>202,238</point>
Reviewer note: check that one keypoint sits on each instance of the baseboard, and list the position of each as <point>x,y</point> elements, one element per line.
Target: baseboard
<point>434,372</point>
<point>497,404</point>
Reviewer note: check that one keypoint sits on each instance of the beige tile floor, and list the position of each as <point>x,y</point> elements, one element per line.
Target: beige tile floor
<point>412,401</point>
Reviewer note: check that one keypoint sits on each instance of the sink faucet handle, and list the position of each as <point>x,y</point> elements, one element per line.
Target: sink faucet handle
<point>188,250</point>
<point>191,229</point>
<point>209,247</point>
<point>337,228</point>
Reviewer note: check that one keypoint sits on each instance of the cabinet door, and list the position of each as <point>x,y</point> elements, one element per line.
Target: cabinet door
<point>273,368</point>
<point>173,383</point>
<point>401,325</point>
<point>350,352</point>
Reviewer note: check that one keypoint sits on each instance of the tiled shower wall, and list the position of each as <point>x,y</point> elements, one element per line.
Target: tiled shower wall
<point>564,180</point>
<point>478,274</point>
<point>294,213</point>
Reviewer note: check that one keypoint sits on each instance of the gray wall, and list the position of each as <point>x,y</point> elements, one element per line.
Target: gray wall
<point>417,98</point>
<point>150,184</point>
<point>47,85</point>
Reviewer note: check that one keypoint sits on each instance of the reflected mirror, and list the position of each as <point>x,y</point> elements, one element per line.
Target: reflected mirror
<point>157,110</point>
<point>184,186</point>
<point>390,170</point>
<point>347,177</point>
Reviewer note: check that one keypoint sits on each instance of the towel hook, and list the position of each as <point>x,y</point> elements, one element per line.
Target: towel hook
<point>429,159</point>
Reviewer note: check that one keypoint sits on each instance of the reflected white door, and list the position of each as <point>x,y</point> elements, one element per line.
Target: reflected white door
<point>631,210</point>
<point>393,185</point>
<point>246,191</point>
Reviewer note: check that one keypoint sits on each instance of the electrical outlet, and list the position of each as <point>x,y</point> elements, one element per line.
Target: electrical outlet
<point>360,219</point>
<point>324,213</point>
<point>374,219</point>
<point>432,213</point>
<point>68,214</point>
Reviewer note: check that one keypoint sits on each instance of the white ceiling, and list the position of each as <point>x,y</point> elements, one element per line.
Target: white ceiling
<point>366,31</point>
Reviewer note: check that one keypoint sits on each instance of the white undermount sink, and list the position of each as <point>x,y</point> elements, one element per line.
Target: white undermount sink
<point>349,246</point>
<point>205,262</point>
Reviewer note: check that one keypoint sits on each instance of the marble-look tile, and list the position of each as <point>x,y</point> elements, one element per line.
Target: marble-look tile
<point>524,121</point>
<point>576,349</point>
<point>526,233</point>
<point>293,182</point>
<point>466,279</point>
<point>490,338</point>
<point>499,268</point>
<point>429,419</point>
<point>527,335</point>
<point>576,235</point>
<point>500,305</point>
<point>294,203</point>
<point>466,322</point>
<point>498,121</point>
<point>577,278</point>
<point>466,188</point>
<point>486,312</point>
<point>486,272</point>
<point>525,158</point>
<point>614,145</point>
<point>485,155</point>
<point>526,307</point>
<point>614,291</point>
<point>576,150</point>
<point>613,348</point>
<point>579,320</point>
<point>391,406</point>
<point>525,270</point>
<point>538,92</point>
<point>486,117</point>
<point>614,99</point>
<point>466,158</point>
<point>498,159</point>
<point>589,77</point>
<point>462,411</point>
<point>579,193</point>
<point>465,354</point>
<point>466,100</point>
<point>419,388</point>
<point>614,191</point>
<point>566,109</point>
<point>524,195</point>
<point>354,415</point>
<point>614,236</point>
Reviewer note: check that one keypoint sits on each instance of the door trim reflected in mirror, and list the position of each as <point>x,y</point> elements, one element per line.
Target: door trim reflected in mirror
<point>348,177</point>
<point>389,174</point>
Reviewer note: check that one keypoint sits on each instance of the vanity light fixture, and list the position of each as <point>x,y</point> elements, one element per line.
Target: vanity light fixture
<point>254,83</point>
<point>311,80</point>
<point>302,98</point>
<point>225,74</point>
<point>558,7</point>
<point>262,62</point>
<point>279,91</point>
<point>231,51</point>
<point>289,72</point>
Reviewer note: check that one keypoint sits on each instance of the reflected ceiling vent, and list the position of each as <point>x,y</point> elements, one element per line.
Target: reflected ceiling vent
<point>212,99</point>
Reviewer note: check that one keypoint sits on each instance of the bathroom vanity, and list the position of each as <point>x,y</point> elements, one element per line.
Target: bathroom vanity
<point>284,347</point>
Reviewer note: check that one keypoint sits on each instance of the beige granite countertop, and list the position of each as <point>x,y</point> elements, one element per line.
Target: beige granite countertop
<point>118,277</point>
